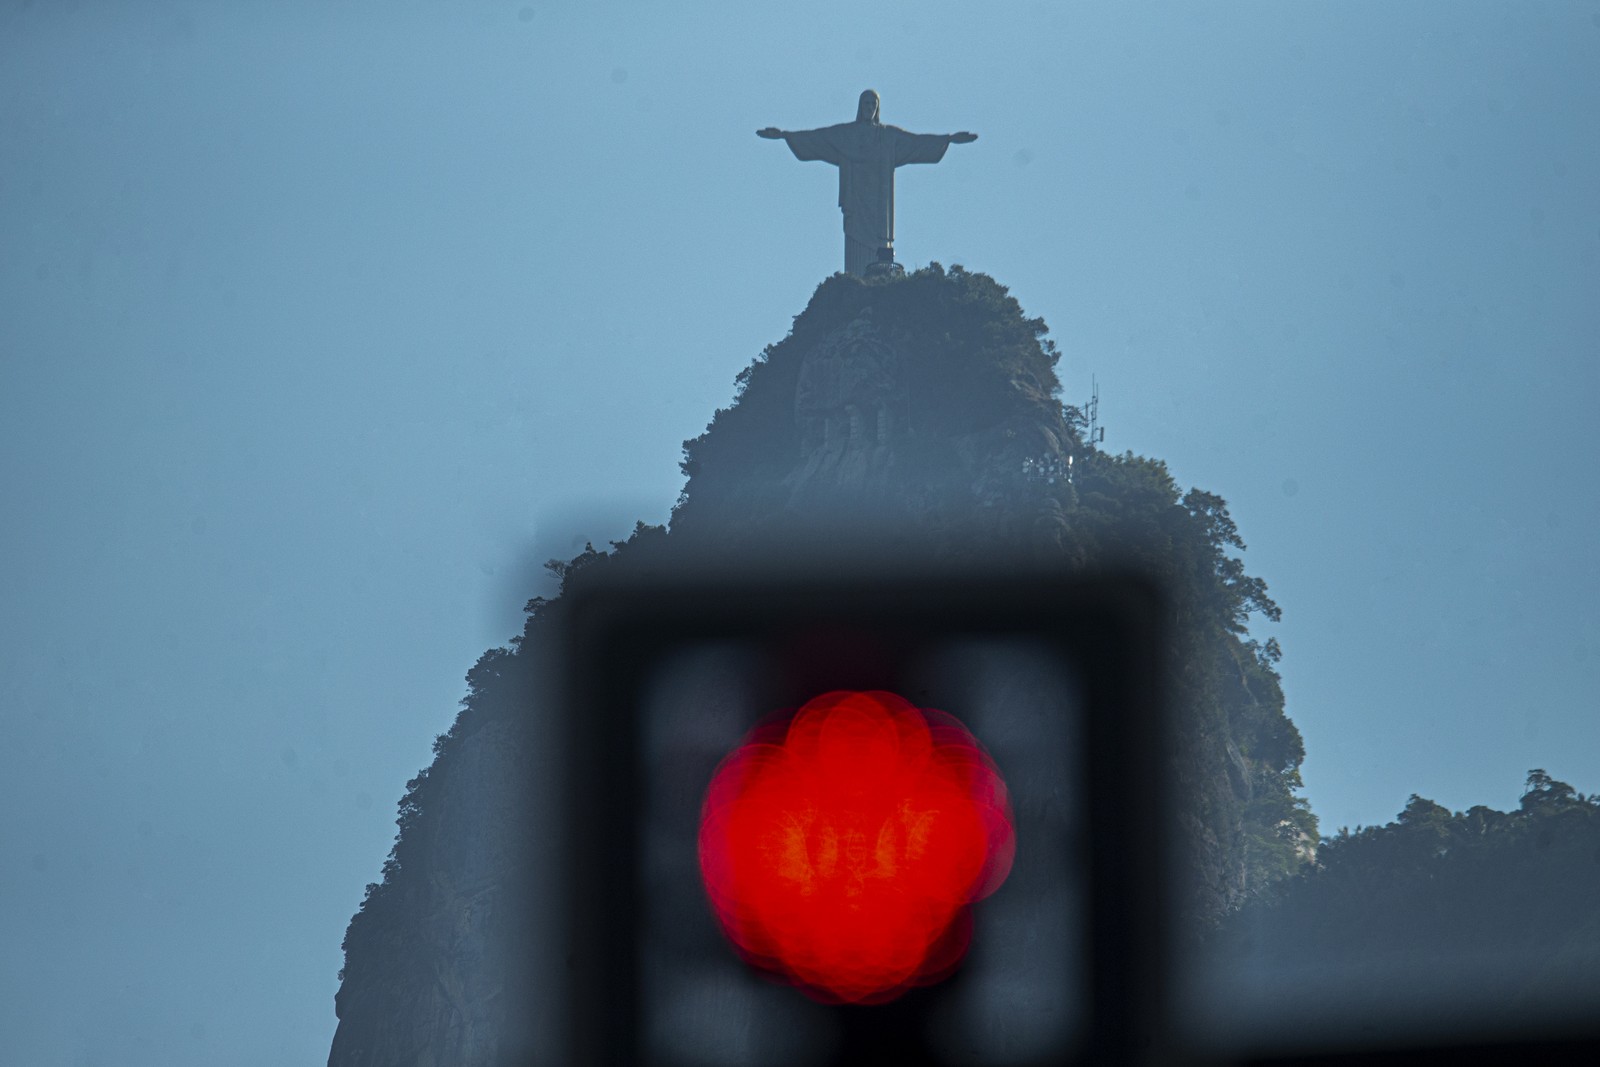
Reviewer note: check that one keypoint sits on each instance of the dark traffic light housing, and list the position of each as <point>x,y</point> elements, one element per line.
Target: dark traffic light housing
<point>1098,642</point>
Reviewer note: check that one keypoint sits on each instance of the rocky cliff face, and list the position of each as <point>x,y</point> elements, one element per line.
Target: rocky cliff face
<point>428,976</point>
<point>918,414</point>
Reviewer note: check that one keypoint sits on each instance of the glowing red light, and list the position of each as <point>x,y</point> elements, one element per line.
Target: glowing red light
<point>842,846</point>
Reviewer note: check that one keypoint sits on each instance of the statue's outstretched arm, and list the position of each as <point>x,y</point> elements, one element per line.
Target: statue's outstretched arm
<point>926,147</point>
<point>809,144</point>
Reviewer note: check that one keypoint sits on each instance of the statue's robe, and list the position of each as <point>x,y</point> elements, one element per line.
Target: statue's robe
<point>866,154</point>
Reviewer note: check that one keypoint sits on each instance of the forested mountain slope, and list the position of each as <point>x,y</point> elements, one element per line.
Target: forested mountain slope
<point>1470,905</point>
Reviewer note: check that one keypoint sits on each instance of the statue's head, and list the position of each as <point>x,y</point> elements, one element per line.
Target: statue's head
<point>867,110</point>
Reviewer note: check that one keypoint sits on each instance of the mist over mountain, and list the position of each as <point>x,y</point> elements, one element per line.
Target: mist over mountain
<point>910,415</point>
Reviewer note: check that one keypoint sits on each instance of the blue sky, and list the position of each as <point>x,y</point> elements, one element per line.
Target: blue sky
<point>321,326</point>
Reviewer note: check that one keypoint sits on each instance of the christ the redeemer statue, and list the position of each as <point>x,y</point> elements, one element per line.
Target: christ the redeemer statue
<point>866,153</point>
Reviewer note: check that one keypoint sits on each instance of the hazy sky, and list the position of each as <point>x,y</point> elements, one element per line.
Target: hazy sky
<point>322,325</point>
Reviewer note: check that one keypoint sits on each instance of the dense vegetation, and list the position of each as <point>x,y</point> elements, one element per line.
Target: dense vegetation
<point>967,378</point>
<point>1435,890</point>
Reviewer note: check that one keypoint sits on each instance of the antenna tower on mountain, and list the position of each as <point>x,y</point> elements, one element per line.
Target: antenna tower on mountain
<point>1097,433</point>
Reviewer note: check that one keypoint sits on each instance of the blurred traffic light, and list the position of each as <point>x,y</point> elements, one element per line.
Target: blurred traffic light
<point>929,844</point>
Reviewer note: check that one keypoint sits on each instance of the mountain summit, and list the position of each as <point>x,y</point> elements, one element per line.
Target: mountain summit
<point>913,415</point>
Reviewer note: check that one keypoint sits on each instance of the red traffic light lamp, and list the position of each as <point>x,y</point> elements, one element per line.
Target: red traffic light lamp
<point>842,845</point>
